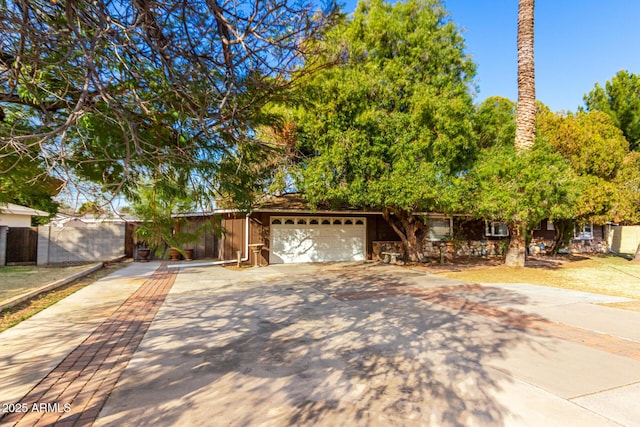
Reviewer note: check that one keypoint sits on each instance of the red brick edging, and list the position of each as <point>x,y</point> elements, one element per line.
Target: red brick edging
<point>75,391</point>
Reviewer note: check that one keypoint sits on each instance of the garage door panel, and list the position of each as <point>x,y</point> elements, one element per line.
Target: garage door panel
<point>287,244</point>
<point>319,242</point>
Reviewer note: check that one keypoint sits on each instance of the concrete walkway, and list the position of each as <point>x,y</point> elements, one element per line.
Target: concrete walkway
<point>330,345</point>
<point>59,368</point>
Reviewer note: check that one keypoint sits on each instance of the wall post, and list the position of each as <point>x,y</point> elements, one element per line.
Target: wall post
<point>4,231</point>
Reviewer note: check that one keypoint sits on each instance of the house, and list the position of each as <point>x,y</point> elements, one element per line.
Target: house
<point>587,238</point>
<point>17,216</point>
<point>286,230</point>
<point>18,241</point>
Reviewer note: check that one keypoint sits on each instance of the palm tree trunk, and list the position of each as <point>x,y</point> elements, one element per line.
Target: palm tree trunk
<point>525,116</point>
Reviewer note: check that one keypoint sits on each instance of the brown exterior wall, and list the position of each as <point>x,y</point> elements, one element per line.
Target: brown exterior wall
<point>469,229</point>
<point>233,237</point>
<point>469,232</point>
<point>543,233</point>
<point>259,234</point>
<point>206,247</point>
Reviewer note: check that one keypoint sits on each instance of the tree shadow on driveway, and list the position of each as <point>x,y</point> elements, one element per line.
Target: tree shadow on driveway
<point>330,347</point>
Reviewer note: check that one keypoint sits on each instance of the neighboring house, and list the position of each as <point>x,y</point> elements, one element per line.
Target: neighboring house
<point>17,216</point>
<point>18,240</point>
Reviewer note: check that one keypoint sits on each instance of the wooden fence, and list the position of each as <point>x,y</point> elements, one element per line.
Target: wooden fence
<point>22,245</point>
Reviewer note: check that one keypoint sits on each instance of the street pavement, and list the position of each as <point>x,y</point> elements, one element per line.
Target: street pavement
<point>324,345</point>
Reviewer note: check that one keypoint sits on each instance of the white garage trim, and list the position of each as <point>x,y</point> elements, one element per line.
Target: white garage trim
<point>316,239</point>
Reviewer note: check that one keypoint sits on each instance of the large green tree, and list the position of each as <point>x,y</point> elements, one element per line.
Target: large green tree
<point>620,99</point>
<point>115,91</point>
<point>522,188</point>
<point>27,183</point>
<point>388,124</point>
<point>596,150</point>
<point>25,178</point>
<point>495,122</point>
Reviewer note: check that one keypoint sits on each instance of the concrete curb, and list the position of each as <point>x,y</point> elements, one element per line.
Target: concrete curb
<point>53,285</point>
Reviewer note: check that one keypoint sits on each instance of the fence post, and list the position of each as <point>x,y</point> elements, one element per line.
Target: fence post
<point>44,242</point>
<point>4,230</point>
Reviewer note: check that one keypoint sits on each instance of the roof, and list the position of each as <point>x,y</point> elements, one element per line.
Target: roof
<point>13,209</point>
<point>296,202</point>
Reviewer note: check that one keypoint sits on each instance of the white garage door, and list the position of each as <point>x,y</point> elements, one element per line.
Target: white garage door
<point>316,239</point>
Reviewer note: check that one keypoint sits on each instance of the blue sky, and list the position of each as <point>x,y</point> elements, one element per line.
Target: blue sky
<point>577,43</point>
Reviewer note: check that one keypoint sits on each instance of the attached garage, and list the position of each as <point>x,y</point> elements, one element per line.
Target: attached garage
<point>316,239</point>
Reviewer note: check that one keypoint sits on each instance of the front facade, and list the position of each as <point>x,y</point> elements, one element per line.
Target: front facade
<point>281,236</point>
<point>287,231</point>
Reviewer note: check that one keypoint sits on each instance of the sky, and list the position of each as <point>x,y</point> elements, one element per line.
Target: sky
<point>577,43</point>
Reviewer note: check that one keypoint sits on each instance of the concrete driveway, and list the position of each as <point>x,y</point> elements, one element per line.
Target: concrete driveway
<point>374,345</point>
<point>351,345</point>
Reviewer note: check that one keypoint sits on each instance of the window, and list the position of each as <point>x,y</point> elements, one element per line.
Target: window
<point>302,221</point>
<point>276,221</point>
<point>583,232</point>
<point>439,228</point>
<point>359,222</point>
<point>348,222</point>
<point>313,222</point>
<point>496,229</point>
<point>326,222</point>
<point>289,221</point>
<point>337,222</point>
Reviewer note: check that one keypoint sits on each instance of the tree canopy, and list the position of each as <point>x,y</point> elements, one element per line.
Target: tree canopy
<point>495,123</point>
<point>110,91</point>
<point>524,188</point>
<point>389,125</point>
<point>25,181</point>
<point>620,100</point>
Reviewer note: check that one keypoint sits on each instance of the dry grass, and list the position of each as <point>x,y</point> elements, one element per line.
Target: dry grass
<point>606,275</point>
<point>14,315</point>
<point>16,280</point>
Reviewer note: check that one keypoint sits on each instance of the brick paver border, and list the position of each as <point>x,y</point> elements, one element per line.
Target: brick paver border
<point>75,391</point>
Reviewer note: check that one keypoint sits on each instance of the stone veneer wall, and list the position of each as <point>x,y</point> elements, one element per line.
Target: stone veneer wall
<point>434,249</point>
<point>594,246</point>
